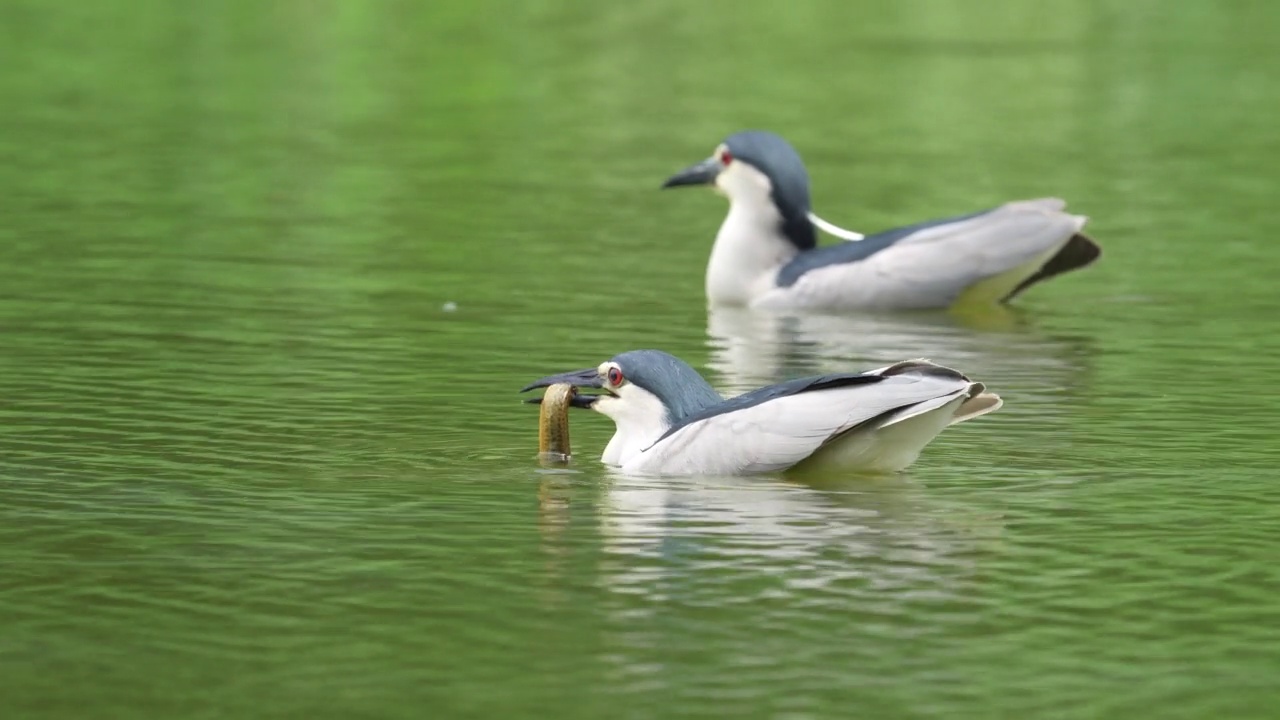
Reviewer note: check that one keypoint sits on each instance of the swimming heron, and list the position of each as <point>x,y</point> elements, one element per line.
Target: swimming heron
<point>670,421</point>
<point>766,253</point>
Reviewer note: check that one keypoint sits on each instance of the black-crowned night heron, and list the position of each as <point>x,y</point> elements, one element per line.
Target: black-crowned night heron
<point>670,421</point>
<point>766,253</point>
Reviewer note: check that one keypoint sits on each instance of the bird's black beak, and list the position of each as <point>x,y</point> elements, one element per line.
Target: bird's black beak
<point>704,173</point>
<point>588,378</point>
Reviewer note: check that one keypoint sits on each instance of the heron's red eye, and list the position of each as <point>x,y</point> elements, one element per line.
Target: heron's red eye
<point>725,157</point>
<point>615,377</point>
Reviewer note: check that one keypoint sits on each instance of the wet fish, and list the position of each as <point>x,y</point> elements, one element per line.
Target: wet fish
<point>553,423</point>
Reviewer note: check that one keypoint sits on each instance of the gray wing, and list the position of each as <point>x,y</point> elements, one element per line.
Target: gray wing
<point>778,433</point>
<point>933,264</point>
<point>858,250</point>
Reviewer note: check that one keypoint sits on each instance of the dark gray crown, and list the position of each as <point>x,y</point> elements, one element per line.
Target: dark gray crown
<point>677,385</point>
<point>780,162</point>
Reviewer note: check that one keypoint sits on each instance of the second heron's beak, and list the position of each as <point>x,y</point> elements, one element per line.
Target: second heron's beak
<point>704,173</point>
<point>588,378</point>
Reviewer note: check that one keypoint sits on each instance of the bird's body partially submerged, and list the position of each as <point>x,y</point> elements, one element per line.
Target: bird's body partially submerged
<point>671,422</point>
<point>766,253</point>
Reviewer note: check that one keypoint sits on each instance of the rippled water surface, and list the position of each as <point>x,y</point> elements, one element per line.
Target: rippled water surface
<point>272,273</point>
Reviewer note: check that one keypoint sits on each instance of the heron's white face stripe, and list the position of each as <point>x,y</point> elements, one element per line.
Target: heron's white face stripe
<point>741,182</point>
<point>640,417</point>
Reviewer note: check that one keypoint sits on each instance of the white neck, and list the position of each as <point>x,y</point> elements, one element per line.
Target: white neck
<point>640,419</point>
<point>749,250</point>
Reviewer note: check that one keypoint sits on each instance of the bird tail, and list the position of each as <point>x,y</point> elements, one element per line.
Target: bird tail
<point>980,403</point>
<point>1078,252</point>
<point>977,401</point>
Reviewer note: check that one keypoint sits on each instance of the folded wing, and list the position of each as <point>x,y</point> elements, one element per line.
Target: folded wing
<point>988,255</point>
<point>779,426</point>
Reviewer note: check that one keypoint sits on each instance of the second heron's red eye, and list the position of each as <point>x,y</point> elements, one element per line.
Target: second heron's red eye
<point>615,377</point>
<point>725,157</point>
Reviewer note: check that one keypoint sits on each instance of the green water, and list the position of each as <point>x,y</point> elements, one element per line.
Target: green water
<point>251,467</point>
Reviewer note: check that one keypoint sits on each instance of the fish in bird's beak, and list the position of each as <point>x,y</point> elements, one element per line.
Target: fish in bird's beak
<point>588,378</point>
<point>704,173</point>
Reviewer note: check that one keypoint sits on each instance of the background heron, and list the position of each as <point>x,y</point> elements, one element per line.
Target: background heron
<point>766,252</point>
